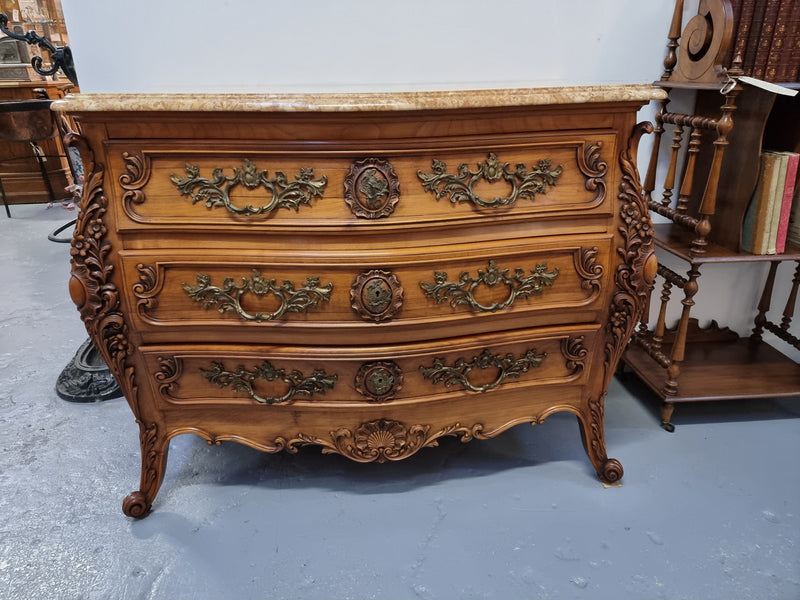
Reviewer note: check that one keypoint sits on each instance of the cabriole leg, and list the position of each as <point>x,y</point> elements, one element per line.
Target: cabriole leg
<point>154,462</point>
<point>609,470</point>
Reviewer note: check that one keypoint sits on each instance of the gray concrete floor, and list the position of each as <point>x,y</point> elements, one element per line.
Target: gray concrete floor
<point>711,511</point>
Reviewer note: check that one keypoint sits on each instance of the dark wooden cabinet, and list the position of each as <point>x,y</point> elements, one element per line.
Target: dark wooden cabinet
<point>22,177</point>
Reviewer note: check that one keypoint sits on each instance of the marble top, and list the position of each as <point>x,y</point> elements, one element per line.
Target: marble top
<point>359,101</point>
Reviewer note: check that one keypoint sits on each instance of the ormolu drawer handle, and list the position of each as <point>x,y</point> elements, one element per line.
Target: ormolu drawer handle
<point>459,372</point>
<point>241,380</point>
<point>215,192</point>
<point>228,297</point>
<point>462,292</point>
<point>459,187</point>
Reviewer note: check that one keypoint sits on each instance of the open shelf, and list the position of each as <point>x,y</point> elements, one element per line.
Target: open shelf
<point>716,370</point>
<point>677,240</point>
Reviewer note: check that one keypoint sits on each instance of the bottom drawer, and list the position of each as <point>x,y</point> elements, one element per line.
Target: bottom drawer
<point>405,373</point>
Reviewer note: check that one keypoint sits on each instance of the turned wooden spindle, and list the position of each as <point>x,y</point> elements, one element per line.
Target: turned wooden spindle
<point>763,304</point>
<point>679,346</point>
<point>669,179</point>
<point>652,166</point>
<point>675,28</point>
<point>688,177</point>
<point>791,302</point>
<point>658,332</point>
<point>709,201</point>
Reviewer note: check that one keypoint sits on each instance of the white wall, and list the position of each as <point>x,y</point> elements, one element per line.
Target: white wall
<point>257,45</point>
<point>324,45</point>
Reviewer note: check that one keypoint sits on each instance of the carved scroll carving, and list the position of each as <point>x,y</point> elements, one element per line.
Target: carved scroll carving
<point>228,297</point>
<point>704,43</point>
<point>169,372</point>
<point>91,286</point>
<point>243,380</point>
<point>462,291</point>
<point>575,353</point>
<point>459,187</point>
<point>589,270</point>
<point>147,288</point>
<point>215,192</point>
<point>94,292</point>
<point>137,174</point>
<point>371,188</point>
<point>458,374</point>
<point>594,168</point>
<point>634,277</point>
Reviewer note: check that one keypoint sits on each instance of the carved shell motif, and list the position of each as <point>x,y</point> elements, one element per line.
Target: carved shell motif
<point>381,440</point>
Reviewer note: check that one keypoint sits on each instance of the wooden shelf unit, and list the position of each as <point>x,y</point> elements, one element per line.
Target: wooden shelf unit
<point>713,365</point>
<point>707,186</point>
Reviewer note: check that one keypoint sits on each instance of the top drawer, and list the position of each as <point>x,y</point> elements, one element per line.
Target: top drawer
<point>201,186</point>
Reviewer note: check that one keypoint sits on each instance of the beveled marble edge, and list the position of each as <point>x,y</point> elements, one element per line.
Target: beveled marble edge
<point>359,101</point>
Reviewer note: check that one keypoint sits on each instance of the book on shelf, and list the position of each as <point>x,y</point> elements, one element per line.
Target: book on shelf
<point>793,233</point>
<point>787,200</point>
<point>778,56</point>
<point>766,34</point>
<point>765,38</point>
<point>791,70</point>
<point>754,35</point>
<point>767,220</point>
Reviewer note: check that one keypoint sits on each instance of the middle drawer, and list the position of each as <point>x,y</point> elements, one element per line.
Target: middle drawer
<point>341,298</point>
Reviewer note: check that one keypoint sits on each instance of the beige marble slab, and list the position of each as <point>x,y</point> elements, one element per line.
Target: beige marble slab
<point>355,102</point>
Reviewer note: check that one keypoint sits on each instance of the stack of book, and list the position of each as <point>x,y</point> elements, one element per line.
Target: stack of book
<point>766,34</point>
<point>773,215</point>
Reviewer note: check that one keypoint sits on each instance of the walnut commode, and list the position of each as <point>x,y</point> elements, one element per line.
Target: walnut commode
<point>366,273</point>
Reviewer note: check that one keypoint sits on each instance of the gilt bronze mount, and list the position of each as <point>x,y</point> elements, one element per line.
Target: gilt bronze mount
<point>228,298</point>
<point>462,291</point>
<point>215,192</point>
<point>244,380</point>
<point>459,187</point>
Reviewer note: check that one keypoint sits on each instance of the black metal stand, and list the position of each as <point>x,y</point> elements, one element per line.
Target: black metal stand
<point>60,56</point>
<point>87,378</point>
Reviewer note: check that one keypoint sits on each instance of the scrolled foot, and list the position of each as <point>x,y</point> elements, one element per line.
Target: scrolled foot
<point>135,505</point>
<point>611,471</point>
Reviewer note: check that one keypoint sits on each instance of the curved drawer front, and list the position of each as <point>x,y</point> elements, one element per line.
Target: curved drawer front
<point>304,376</point>
<point>305,297</point>
<point>210,186</point>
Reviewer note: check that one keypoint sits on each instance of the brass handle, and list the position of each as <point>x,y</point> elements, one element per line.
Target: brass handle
<point>228,297</point>
<point>458,374</point>
<point>241,380</point>
<point>459,187</point>
<point>462,292</point>
<point>215,192</point>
